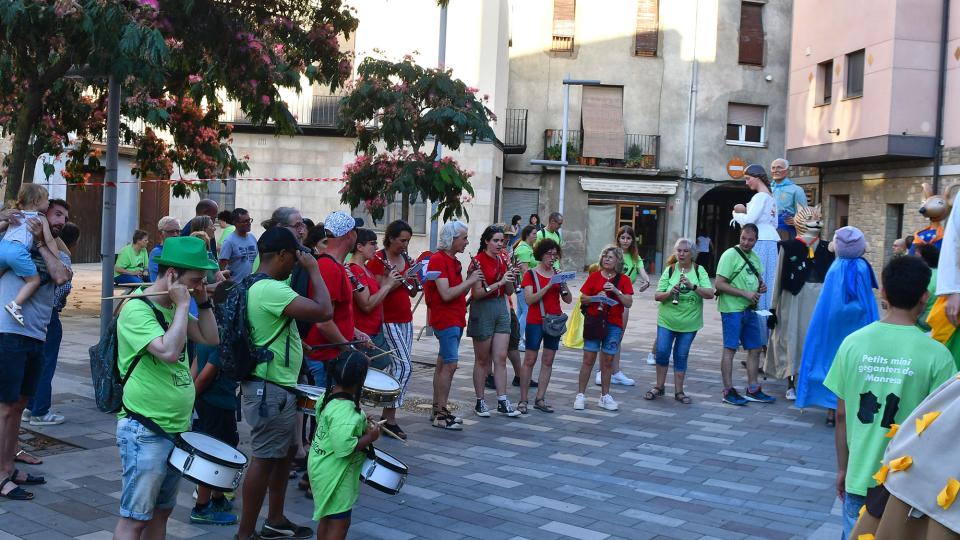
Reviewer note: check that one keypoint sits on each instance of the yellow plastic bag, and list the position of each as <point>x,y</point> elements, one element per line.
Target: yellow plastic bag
<point>573,338</point>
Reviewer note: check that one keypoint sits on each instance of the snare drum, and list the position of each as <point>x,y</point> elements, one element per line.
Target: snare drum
<point>207,461</point>
<point>307,398</point>
<point>384,472</point>
<point>379,389</point>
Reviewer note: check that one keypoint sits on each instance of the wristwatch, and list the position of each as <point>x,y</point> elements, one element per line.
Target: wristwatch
<point>695,287</point>
<point>206,305</point>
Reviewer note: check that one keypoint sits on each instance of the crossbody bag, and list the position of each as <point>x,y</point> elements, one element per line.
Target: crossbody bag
<point>553,325</point>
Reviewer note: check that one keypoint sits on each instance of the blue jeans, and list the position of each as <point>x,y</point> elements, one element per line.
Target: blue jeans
<point>126,278</point>
<point>851,512</point>
<point>522,309</point>
<point>680,343</point>
<point>39,404</point>
<point>148,483</point>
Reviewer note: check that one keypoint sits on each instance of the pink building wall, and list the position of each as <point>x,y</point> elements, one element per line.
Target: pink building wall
<point>901,39</point>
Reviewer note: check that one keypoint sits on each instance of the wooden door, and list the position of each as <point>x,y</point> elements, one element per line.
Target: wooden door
<point>86,210</point>
<point>154,204</point>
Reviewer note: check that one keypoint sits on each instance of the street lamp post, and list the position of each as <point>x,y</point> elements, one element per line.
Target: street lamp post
<point>109,225</point>
<point>567,83</point>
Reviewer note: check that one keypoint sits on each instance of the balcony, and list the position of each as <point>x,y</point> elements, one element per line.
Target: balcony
<point>640,152</point>
<point>313,113</point>
<point>515,131</point>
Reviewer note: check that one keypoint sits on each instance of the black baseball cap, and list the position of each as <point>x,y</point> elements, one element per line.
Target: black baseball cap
<point>277,239</point>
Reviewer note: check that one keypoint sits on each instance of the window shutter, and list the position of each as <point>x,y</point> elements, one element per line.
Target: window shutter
<point>647,27</point>
<point>751,34</point>
<point>745,115</point>
<point>564,17</point>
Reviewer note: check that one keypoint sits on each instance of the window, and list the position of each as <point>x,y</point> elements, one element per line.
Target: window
<point>854,82</point>
<point>824,82</point>
<point>839,212</point>
<point>745,124</point>
<point>417,217</point>
<point>647,38</point>
<point>564,22</point>
<point>751,34</point>
<point>893,229</point>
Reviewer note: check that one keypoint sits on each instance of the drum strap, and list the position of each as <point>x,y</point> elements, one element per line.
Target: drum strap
<point>149,424</point>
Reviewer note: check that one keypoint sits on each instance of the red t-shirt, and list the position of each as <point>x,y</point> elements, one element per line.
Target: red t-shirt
<point>368,323</point>
<point>341,296</point>
<point>396,306</point>
<point>594,286</point>
<point>551,300</point>
<point>493,269</point>
<point>445,314</point>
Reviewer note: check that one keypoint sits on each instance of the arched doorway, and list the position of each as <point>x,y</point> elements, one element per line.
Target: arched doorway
<point>713,218</point>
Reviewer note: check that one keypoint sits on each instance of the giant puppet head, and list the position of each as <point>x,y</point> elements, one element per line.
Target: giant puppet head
<point>808,221</point>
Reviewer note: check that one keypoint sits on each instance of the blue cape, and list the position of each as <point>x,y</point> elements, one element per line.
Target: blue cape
<point>845,305</point>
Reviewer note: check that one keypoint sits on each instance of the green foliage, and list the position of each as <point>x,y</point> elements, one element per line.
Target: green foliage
<point>171,56</point>
<point>402,106</point>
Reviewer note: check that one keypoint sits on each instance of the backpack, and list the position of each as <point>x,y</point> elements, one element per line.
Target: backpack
<point>104,365</point>
<point>238,354</point>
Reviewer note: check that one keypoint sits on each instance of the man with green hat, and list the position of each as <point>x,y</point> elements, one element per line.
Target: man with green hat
<point>158,395</point>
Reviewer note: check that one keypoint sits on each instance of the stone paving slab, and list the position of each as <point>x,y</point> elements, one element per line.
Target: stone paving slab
<point>650,470</point>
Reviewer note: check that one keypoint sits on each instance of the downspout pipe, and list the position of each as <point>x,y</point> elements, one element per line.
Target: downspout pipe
<point>941,95</point>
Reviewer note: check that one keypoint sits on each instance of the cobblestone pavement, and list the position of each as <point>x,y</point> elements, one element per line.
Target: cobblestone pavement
<point>651,470</point>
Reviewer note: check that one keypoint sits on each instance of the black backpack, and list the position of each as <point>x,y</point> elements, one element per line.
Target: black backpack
<point>238,354</point>
<point>104,367</point>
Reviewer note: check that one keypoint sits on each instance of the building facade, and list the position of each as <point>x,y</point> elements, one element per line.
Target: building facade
<point>685,93</point>
<point>865,103</point>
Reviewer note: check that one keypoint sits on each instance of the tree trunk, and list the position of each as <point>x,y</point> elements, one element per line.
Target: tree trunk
<point>17,173</point>
<point>405,207</point>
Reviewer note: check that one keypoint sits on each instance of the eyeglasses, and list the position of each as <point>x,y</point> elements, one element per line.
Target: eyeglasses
<point>299,225</point>
<point>170,231</point>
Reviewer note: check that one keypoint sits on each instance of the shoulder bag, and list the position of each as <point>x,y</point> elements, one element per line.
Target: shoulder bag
<point>553,325</point>
<point>595,326</point>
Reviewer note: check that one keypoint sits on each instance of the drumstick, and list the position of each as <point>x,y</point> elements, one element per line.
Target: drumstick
<point>331,345</point>
<point>139,295</point>
<point>384,353</point>
<point>392,434</point>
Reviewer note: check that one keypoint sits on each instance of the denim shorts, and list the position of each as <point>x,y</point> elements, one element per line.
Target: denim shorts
<point>449,339</point>
<point>148,483</point>
<point>608,345</point>
<point>679,342</point>
<point>271,413</point>
<point>741,328</point>
<point>21,366</point>
<point>535,337</point>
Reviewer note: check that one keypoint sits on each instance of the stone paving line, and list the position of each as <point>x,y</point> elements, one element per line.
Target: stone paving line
<point>653,469</point>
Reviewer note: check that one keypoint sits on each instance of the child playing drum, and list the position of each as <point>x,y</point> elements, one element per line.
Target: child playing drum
<point>343,436</point>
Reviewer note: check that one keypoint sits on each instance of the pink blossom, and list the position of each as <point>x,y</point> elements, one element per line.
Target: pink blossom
<point>472,90</point>
<point>155,4</point>
<point>265,99</point>
<point>253,83</point>
<point>194,79</point>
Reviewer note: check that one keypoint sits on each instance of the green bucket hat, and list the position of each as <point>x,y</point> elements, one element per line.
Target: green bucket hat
<point>186,252</point>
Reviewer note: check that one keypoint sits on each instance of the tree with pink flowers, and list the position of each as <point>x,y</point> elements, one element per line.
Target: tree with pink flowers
<point>177,60</point>
<point>410,112</point>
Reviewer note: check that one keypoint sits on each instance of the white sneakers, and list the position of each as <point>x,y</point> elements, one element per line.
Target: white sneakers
<point>579,402</point>
<point>791,394</point>
<point>618,378</point>
<point>49,419</point>
<point>607,403</point>
<point>651,359</point>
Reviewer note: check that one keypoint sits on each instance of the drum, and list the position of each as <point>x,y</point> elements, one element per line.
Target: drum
<point>383,472</point>
<point>207,461</point>
<point>379,389</point>
<point>307,397</point>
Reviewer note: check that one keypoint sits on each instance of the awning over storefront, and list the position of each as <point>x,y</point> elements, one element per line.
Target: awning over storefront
<point>602,117</point>
<point>645,187</point>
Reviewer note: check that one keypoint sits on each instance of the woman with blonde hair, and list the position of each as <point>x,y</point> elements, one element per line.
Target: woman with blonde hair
<point>604,296</point>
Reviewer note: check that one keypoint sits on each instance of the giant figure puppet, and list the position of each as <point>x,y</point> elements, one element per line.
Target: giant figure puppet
<point>846,304</point>
<point>801,270</point>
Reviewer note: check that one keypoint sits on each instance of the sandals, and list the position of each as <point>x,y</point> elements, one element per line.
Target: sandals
<point>14,310</point>
<point>394,431</point>
<point>31,480</point>
<point>541,405</point>
<point>15,494</point>
<point>522,407</point>
<point>682,398</point>
<point>26,457</point>
<point>654,393</point>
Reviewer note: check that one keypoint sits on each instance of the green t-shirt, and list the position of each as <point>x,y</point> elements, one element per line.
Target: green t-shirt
<point>130,260</point>
<point>333,466</point>
<point>266,301</point>
<point>882,372</point>
<point>161,391</point>
<point>226,232</point>
<point>555,236</point>
<point>524,253</point>
<point>687,316</point>
<point>735,269</point>
<point>932,289</point>
<point>631,266</point>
